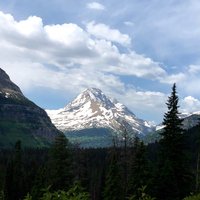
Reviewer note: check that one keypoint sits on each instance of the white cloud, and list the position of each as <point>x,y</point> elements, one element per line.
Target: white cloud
<point>30,27</point>
<point>95,6</point>
<point>129,23</point>
<point>190,104</point>
<point>194,69</point>
<point>146,104</point>
<point>69,46</point>
<point>173,78</point>
<point>103,31</point>
<point>68,58</point>
<point>191,85</point>
<point>67,34</point>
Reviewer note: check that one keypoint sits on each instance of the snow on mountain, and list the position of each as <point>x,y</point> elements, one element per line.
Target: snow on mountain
<point>93,109</point>
<point>185,115</point>
<point>189,120</point>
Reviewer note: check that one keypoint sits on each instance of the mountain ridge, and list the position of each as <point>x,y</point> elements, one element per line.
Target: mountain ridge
<point>21,119</point>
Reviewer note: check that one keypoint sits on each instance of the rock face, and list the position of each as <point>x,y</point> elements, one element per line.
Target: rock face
<point>190,119</point>
<point>21,119</point>
<point>93,109</point>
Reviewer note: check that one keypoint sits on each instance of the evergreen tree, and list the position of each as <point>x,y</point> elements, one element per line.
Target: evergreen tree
<point>113,186</point>
<point>2,196</point>
<point>60,172</point>
<point>8,185</point>
<point>193,197</point>
<point>172,171</point>
<point>138,169</point>
<point>14,176</point>
<point>28,197</point>
<point>141,195</point>
<point>39,183</point>
<point>77,192</point>
<point>197,161</point>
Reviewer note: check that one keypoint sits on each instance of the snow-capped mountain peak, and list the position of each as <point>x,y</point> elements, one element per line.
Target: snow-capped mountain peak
<point>92,108</point>
<point>93,95</point>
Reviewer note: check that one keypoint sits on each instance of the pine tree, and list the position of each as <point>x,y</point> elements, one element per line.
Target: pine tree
<point>197,175</point>
<point>2,196</point>
<point>18,171</point>
<point>77,192</point>
<point>8,185</point>
<point>14,176</point>
<point>60,164</point>
<point>39,183</point>
<point>172,172</point>
<point>113,187</point>
<point>138,169</point>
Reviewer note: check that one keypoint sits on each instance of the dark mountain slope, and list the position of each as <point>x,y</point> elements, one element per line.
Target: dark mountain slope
<point>21,119</point>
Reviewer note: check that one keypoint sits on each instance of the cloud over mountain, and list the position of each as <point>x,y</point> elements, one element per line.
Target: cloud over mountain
<point>69,57</point>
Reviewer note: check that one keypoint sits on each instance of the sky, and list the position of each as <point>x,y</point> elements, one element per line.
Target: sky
<point>132,50</point>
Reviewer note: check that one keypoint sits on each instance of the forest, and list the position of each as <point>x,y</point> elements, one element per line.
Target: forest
<point>165,170</point>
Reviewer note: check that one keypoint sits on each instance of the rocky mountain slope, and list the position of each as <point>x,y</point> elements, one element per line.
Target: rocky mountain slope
<point>190,119</point>
<point>93,109</point>
<point>22,119</point>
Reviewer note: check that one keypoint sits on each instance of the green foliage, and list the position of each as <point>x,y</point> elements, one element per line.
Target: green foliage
<point>11,131</point>
<point>28,197</point>
<point>91,137</point>
<point>14,176</point>
<point>142,195</point>
<point>173,177</point>
<point>138,168</point>
<point>76,192</point>
<point>60,175</point>
<point>113,185</point>
<point>193,197</point>
<point>2,197</point>
<point>39,182</point>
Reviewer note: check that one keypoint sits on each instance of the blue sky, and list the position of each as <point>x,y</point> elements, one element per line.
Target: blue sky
<point>132,50</point>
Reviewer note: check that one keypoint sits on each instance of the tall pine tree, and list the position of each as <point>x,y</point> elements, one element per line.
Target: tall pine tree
<point>14,176</point>
<point>60,166</point>
<point>172,172</point>
<point>138,177</point>
<point>113,186</point>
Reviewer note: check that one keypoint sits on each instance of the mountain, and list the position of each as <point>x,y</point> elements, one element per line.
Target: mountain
<point>92,109</point>
<point>190,121</point>
<point>21,119</point>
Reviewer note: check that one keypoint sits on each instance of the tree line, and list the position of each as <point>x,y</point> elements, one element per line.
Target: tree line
<point>165,170</point>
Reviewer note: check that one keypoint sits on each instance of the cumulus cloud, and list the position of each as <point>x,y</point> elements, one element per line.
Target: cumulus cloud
<point>70,58</point>
<point>194,69</point>
<point>103,31</point>
<point>191,86</point>
<point>95,6</point>
<point>146,104</point>
<point>190,104</point>
<point>191,82</point>
<point>68,46</point>
<point>173,78</point>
